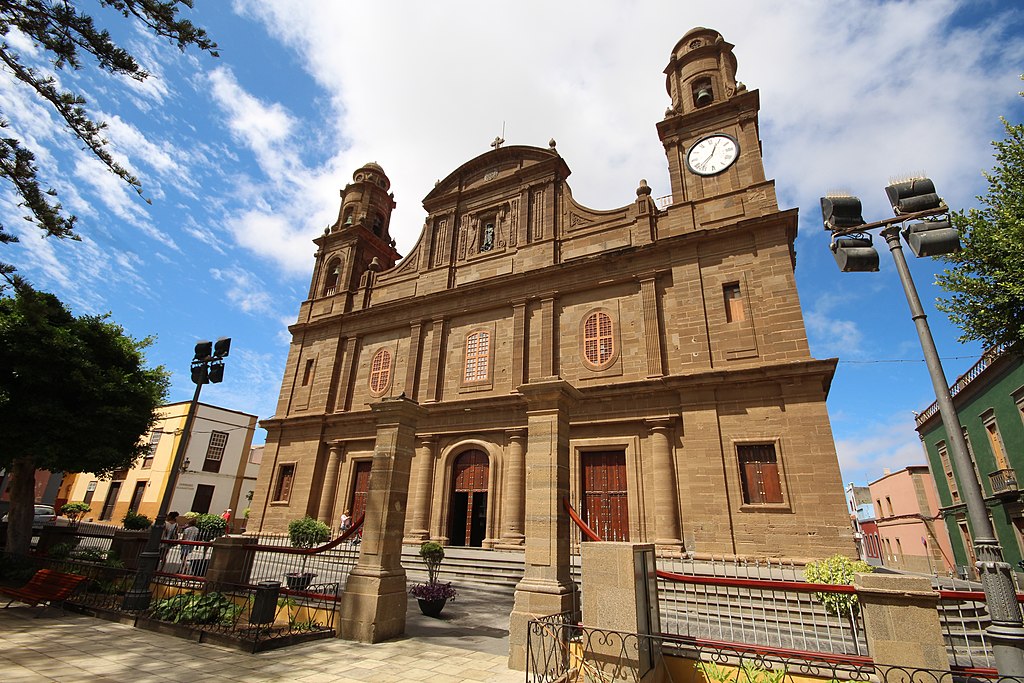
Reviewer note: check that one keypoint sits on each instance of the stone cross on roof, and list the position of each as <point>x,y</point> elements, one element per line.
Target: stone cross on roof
<point>498,142</point>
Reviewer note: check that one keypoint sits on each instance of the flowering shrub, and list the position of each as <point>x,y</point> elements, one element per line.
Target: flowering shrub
<point>433,591</point>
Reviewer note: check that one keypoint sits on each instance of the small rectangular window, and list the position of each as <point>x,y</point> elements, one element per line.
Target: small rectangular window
<point>734,311</point>
<point>215,451</point>
<point>285,476</point>
<point>947,468</point>
<point>307,374</point>
<point>759,469</point>
<point>154,441</point>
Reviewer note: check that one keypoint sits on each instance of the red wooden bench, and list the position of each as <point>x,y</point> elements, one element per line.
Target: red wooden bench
<point>45,586</point>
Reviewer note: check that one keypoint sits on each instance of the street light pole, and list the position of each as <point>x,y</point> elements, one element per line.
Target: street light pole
<point>205,368</point>
<point>1007,630</point>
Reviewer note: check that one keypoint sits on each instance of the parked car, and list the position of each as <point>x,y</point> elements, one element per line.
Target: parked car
<point>44,514</point>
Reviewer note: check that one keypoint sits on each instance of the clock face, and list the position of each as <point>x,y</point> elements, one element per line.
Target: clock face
<point>712,154</point>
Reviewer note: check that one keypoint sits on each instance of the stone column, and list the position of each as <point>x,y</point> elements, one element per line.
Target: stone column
<point>419,506</point>
<point>901,621</point>
<point>374,603</point>
<point>329,492</point>
<point>547,587</point>
<point>666,514</point>
<point>513,499</point>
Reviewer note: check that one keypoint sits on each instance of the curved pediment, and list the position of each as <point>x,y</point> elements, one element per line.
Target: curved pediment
<point>494,167</point>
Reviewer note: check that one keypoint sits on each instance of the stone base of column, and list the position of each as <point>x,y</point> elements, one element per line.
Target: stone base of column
<point>535,599</point>
<point>416,537</point>
<point>671,546</point>
<point>511,542</point>
<point>373,606</point>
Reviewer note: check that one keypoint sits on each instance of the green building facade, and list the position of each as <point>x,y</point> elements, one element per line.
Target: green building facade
<point>989,399</point>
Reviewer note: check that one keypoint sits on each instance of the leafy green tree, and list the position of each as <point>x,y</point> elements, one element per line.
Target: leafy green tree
<point>67,38</point>
<point>986,281</point>
<point>75,396</point>
<point>837,570</point>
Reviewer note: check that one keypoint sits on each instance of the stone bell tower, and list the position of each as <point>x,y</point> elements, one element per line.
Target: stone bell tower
<point>359,244</point>
<point>710,133</point>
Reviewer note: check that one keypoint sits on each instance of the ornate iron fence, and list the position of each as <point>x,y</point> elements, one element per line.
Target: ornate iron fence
<point>272,558</point>
<point>560,650</point>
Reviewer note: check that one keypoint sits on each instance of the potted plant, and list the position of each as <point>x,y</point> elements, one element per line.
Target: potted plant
<point>305,533</point>
<point>432,595</point>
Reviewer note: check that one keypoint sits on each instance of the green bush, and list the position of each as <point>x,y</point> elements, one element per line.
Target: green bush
<point>308,532</point>
<point>837,570</point>
<point>133,521</point>
<point>211,524</point>
<point>75,511</point>
<point>432,553</point>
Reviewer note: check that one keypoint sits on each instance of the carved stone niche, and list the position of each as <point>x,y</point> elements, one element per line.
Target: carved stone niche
<point>489,230</point>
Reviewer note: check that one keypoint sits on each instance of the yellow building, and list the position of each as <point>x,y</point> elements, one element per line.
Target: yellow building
<point>218,471</point>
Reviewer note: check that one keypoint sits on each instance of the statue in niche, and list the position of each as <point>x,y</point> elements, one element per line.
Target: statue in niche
<point>487,236</point>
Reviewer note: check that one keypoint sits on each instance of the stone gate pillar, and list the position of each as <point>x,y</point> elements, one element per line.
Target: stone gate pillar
<point>374,602</point>
<point>547,587</point>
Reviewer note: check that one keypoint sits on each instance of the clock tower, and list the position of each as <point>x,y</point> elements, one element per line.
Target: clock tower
<point>710,134</point>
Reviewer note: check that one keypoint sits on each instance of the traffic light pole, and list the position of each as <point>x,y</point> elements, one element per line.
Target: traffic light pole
<point>1006,630</point>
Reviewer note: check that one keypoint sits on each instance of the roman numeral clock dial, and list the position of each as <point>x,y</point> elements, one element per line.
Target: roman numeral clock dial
<point>712,154</point>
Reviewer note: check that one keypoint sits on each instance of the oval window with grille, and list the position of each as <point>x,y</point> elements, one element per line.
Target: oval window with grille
<point>598,340</point>
<point>380,371</point>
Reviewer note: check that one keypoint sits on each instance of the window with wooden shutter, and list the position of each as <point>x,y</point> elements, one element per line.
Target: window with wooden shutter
<point>285,476</point>
<point>215,451</point>
<point>734,311</point>
<point>759,470</point>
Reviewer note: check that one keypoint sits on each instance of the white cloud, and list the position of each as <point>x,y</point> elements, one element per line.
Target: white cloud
<point>272,237</point>
<point>264,128</point>
<point>832,336</point>
<point>863,457</point>
<point>245,290</point>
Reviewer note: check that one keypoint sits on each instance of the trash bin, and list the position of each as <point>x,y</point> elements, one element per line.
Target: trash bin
<point>264,606</point>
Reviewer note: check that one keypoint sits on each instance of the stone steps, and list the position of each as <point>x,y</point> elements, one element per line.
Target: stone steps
<point>496,570</point>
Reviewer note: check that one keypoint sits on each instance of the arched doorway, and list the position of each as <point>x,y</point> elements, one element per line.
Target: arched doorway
<point>467,513</point>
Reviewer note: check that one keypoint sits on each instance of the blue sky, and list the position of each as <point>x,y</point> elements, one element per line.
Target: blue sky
<point>243,157</point>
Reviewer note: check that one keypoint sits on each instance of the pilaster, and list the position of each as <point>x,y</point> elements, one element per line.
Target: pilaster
<point>666,516</point>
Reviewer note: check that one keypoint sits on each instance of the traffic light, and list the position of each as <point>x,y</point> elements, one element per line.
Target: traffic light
<point>932,237</point>
<point>855,253</point>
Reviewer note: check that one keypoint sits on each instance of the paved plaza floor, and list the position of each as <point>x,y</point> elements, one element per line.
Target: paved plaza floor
<point>470,643</point>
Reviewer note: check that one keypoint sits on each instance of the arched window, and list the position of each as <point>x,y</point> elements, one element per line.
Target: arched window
<point>380,372</point>
<point>333,273</point>
<point>478,352</point>
<point>598,339</point>
<point>378,225</point>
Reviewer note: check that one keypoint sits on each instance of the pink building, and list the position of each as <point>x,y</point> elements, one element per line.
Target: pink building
<point>910,530</point>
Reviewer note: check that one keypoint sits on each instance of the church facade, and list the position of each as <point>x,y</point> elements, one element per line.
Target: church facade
<point>698,420</point>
